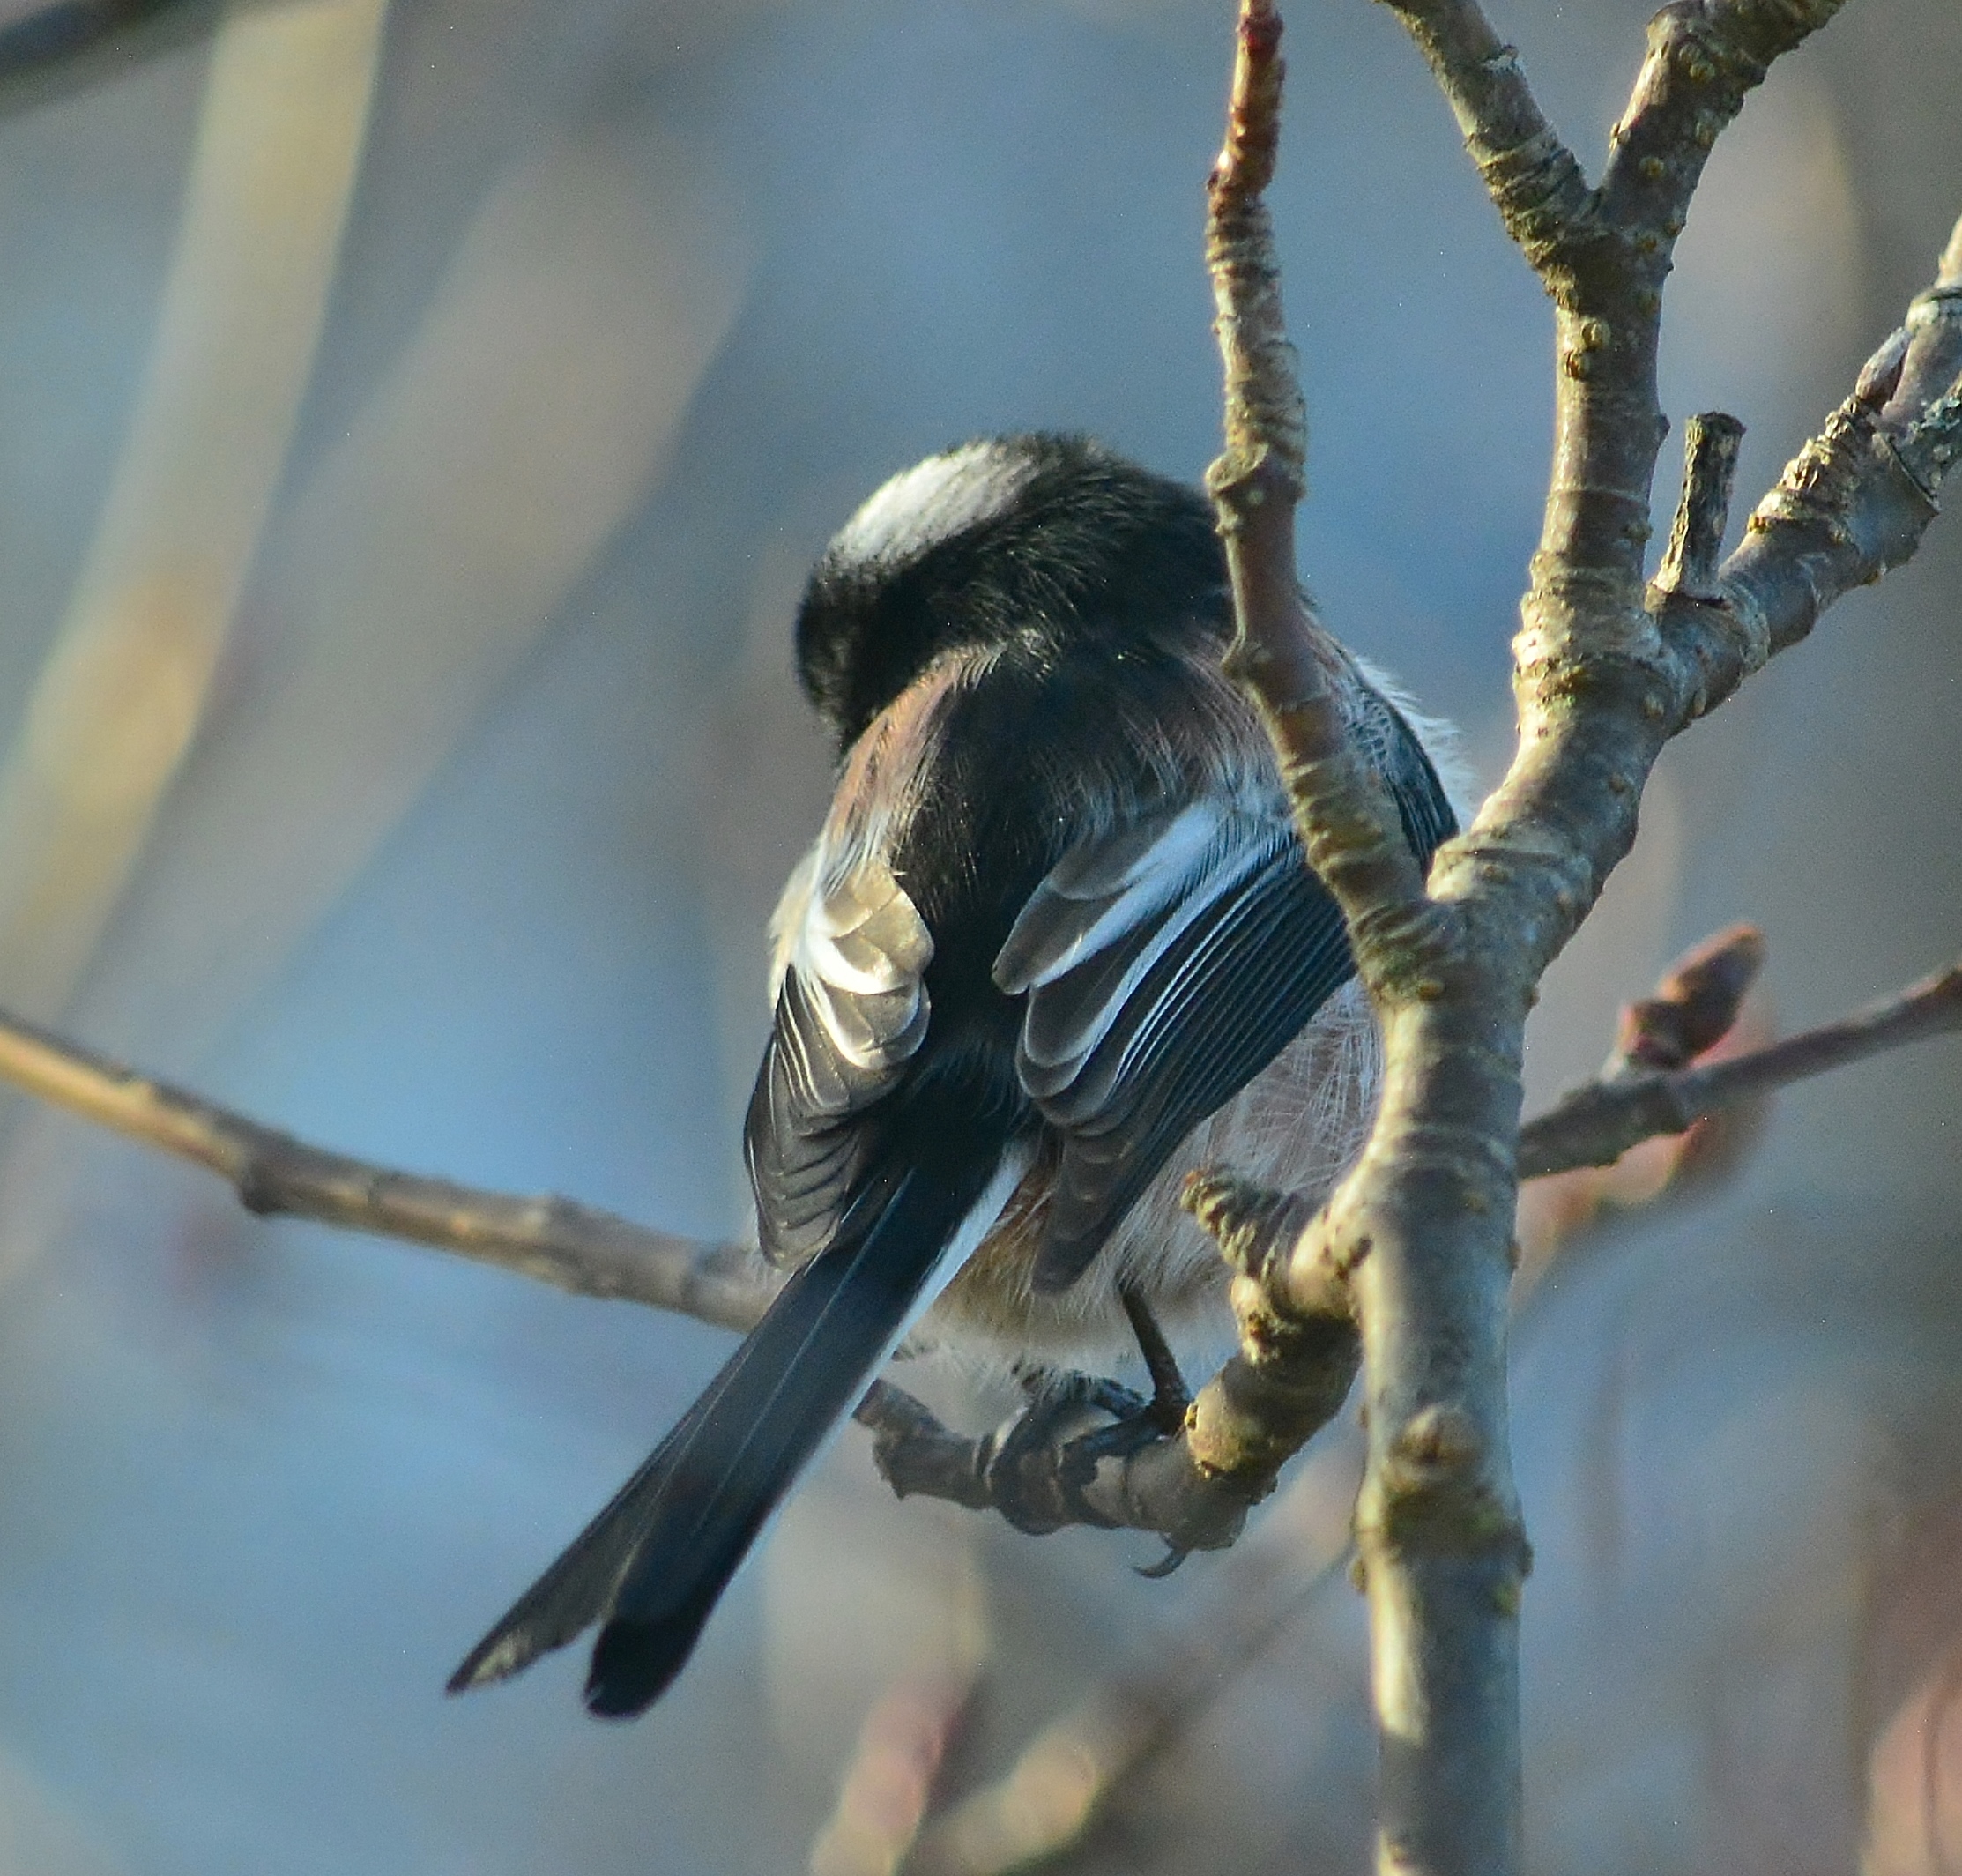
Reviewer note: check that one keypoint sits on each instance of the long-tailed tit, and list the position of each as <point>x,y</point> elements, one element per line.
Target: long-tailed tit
<point>1056,944</point>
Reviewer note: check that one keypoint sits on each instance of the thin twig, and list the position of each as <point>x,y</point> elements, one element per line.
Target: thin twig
<point>573,1248</point>
<point>1594,1126</point>
<point>1281,657</point>
<point>1048,1483</point>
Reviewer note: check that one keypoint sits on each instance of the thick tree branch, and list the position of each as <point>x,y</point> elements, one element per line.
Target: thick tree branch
<point>1420,1232</point>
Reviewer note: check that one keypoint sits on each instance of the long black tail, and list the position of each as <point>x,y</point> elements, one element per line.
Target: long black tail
<point>654,1563</point>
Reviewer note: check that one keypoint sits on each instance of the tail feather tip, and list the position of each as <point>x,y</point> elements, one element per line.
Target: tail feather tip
<point>634,1663</point>
<point>496,1657</point>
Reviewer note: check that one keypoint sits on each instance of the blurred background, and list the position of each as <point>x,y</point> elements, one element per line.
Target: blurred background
<point>416,420</point>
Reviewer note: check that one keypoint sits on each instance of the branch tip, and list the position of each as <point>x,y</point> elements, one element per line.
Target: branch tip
<point>1247,157</point>
<point>1695,1005</point>
<point>1711,441</point>
<point>1250,1224</point>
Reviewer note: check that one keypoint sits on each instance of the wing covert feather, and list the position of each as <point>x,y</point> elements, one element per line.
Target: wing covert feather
<point>851,1012</point>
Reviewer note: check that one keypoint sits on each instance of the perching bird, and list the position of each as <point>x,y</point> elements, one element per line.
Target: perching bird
<point>1056,944</point>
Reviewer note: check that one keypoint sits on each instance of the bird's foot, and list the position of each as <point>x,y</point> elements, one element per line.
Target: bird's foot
<point>1042,1460</point>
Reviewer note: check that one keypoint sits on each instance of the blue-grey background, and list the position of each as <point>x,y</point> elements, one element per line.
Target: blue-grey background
<point>467,871</point>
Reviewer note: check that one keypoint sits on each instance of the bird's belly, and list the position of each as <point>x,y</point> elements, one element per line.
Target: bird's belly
<point>1297,1125</point>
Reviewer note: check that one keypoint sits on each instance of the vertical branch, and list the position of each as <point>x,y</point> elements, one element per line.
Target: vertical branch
<point>1261,473</point>
<point>1281,657</point>
<point>1417,1238</point>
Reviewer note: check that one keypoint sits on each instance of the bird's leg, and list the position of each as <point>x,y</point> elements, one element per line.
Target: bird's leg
<point>1166,1409</point>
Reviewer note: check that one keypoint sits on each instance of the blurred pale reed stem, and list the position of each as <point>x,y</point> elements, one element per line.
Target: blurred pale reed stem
<point>431,542</point>
<point>125,684</point>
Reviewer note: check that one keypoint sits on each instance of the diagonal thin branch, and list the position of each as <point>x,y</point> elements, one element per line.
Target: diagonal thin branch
<point>1080,1766</point>
<point>588,1251</point>
<point>1594,1125</point>
<point>1535,181</point>
<point>1853,503</point>
<point>573,1248</point>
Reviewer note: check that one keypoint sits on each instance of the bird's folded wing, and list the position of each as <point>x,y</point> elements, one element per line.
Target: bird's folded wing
<point>1168,962</point>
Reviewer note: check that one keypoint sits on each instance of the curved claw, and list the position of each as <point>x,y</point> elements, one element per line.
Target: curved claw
<point>1175,1555</point>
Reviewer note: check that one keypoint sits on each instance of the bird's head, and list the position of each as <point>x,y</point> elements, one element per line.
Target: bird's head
<point>1034,537</point>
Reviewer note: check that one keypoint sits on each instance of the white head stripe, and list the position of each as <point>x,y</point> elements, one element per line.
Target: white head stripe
<point>931,502</point>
